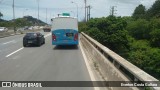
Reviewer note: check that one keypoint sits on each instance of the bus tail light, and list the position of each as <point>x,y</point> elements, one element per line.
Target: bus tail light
<point>76,37</point>
<point>54,37</point>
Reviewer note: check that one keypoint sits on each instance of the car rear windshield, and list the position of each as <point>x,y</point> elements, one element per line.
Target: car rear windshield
<point>31,34</point>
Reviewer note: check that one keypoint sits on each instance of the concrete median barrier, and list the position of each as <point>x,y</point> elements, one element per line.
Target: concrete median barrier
<point>12,33</point>
<point>113,67</point>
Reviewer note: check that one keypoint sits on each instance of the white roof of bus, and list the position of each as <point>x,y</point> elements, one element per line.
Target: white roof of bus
<point>64,22</point>
<point>64,17</point>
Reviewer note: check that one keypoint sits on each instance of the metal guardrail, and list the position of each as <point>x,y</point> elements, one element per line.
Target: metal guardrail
<point>128,69</point>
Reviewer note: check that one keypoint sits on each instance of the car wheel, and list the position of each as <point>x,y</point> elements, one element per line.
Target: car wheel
<point>39,43</point>
<point>24,45</point>
<point>44,41</point>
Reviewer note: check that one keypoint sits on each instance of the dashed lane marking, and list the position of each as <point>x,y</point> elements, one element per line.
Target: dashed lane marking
<point>14,52</point>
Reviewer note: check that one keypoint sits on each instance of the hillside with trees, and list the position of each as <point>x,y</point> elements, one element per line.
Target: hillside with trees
<point>136,38</point>
<point>21,22</point>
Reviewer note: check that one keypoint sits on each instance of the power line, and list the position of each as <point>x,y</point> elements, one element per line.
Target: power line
<point>18,6</point>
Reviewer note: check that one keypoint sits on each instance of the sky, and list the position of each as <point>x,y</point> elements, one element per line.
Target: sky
<point>50,8</point>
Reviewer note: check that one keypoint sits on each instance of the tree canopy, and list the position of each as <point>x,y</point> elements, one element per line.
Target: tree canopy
<point>136,38</point>
<point>139,12</point>
<point>154,10</point>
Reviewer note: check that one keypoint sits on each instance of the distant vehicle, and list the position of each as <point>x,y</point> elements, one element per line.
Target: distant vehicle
<point>47,28</point>
<point>26,28</point>
<point>41,27</point>
<point>36,27</point>
<point>64,31</point>
<point>34,38</point>
<point>3,29</point>
<point>30,28</point>
<point>20,29</point>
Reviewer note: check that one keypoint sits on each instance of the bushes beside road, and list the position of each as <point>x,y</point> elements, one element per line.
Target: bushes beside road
<point>135,40</point>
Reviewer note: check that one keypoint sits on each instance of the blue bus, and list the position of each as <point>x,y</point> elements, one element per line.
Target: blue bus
<point>64,30</point>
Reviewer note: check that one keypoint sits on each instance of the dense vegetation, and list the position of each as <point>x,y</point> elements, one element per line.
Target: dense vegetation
<point>21,22</point>
<point>136,38</point>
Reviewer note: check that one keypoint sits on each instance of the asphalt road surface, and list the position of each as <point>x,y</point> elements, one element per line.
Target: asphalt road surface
<point>44,63</point>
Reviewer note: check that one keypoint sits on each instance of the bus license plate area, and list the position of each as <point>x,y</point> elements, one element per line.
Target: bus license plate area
<point>30,42</point>
<point>69,34</point>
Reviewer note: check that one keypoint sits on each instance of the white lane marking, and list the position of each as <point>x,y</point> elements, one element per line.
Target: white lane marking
<point>22,47</point>
<point>15,52</point>
<point>47,35</point>
<point>88,66</point>
<point>9,42</point>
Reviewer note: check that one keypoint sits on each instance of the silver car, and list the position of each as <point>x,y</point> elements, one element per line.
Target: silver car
<point>3,29</point>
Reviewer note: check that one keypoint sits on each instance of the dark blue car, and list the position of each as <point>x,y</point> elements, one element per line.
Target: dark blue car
<point>33,39</point>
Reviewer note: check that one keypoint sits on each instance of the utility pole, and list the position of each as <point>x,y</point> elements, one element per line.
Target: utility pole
<point>112,11</point>
<point>13,18</point>
<point>46,15</point>
<point>88,12</point>
<point>38,8</point>
<point>85,2</point>
<point>38,13</point>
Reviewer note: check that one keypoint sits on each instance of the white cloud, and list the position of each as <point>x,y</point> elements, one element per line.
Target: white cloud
<point>147,3</point>
<point>99,7</point>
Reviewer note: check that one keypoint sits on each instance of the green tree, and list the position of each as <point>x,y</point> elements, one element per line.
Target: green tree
<point>137,54</point>
<point>128,19</point>
<point>131,38</point>
<point>82,27</point>
<point>145,57</point>
<point>139,12</point>
<point>154,23</point>
<point>1,15</point>
<point>155,37</point>
<point>139,29</point>
<point>20,22</point>
<point>154,10</point>
<point>110,32</point>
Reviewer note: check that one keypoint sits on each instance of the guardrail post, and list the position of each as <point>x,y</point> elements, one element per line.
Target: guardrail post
<point>135,79</point>
<point>118,66</point>
<point>113,62</point>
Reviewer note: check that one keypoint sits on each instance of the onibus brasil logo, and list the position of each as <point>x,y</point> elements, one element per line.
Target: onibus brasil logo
<point>20,84</point>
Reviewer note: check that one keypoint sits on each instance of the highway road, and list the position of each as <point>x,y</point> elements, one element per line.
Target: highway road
<point>44,63</point>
